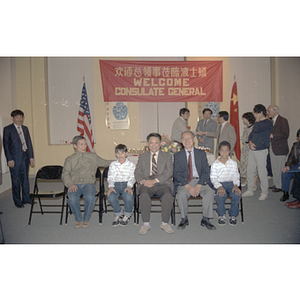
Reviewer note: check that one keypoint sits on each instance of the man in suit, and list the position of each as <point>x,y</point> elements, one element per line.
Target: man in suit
<point>278,145</point>
<point>153,174</point>
<point>225,132</point>
<point>206,124</point>
<point>179,125</point>
<point>19,155</point>
<point>191,179</point>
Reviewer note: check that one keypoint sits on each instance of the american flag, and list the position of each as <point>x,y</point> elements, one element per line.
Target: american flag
<point>84,124</point>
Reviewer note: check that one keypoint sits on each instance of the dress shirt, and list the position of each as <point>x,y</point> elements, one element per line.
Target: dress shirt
<point>222,126</point>
<point>195,172</point>
<point>221,172</point>
<point>22,134</point>
<point>118,172</point>
<point>274,119</point>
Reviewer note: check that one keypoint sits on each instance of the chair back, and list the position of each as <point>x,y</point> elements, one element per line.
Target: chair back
<point>49,172</point>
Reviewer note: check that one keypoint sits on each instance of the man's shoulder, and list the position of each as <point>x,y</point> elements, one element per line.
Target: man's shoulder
<point>8,127</point>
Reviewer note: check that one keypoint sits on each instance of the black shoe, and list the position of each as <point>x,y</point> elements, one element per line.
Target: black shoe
<point>284,197</point>
<point>272,187</point>
<point>183,223</point>
<point>207,224</point>
<point>30,202</point>
<point>20,206</point>
<point>276,190</point>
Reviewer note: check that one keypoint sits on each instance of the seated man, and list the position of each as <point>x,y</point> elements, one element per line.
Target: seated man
<point>79,176</point>
<point>153,174</point>
<point>225,178</point>
<point>191,178</point>
<point>292,166</point>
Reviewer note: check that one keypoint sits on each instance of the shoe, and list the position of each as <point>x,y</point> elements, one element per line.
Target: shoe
<point>86,224</point>
<point>207,224</point>
<point>232,220</point>
<point>263,197</point>
<point>297,205</point>
<point>30,202</point>
<point>272,187</point>
<point>292,203</point>
<point>276,190</point>
<point>124,221</point>
<point>167,228</point>
<point>20,206</point>
<point>78,224</point>
<point>183,223</point>
<point>247,194</point>
<point>222,220</point>
<point>284,197</point>
<point>144,229</point>
<point>254,188</point>
<point>116,221</point>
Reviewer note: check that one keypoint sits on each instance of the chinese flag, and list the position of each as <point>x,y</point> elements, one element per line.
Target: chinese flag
<point>234,119</point>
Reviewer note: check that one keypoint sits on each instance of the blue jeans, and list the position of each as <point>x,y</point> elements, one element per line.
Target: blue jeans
<point>88,192</point>
<point>287,176</point>
<point>235,200</point>
<point>113,199</point>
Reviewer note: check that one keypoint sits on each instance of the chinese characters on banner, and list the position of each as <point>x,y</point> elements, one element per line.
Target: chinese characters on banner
<point>162,81</point>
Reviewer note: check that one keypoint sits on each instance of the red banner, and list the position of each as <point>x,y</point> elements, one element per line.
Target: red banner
<point>162,81</point>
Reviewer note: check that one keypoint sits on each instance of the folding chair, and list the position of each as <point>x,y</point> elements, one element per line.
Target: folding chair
<point>48,176</point>
<point>104,199</point>
<point>100,207</point>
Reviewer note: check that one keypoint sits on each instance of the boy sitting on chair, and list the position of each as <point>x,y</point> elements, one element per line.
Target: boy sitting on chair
<point>225,178</point>
<point>120,180</point>
<point>79,176</point>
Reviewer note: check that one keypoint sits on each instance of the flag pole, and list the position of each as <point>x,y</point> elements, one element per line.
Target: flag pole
<point>83,78</point>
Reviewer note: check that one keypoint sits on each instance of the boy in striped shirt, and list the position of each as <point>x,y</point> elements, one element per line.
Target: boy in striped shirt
<point>225,177</point>
<point>120,180</point>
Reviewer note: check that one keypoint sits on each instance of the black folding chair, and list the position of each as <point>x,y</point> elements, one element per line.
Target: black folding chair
<point>47,176</point>
<point>99,210</point>
<point>104,199</point>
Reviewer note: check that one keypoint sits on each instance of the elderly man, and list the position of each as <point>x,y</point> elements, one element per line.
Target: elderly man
<point>206,124</point>
<point>225,132</point>
<point>191,179</point>
<point>278,144</point>
<point>78,175</point>
<point>179,125</point>
<point>153,174</point>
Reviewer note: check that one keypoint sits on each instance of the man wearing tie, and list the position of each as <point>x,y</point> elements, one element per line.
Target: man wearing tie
<point>206,124</point>
<point>19,155</point>
<point>191,178</point>
<point>153,174</point>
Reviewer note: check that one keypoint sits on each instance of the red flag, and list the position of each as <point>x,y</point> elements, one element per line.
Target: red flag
<point>84,124</point>
<point>234,119</point>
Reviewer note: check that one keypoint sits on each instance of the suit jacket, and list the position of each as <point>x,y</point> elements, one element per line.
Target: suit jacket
<point>281,132</point>
<point>179,126</point>
<point>12,143</point>
<point>210,126</point>
<point>227,134</point>
<point>164,169</point>
<point>181,168</point>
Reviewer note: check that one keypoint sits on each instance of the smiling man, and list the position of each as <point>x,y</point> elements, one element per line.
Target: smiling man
<point>153,174</point>
<point>79,176</point>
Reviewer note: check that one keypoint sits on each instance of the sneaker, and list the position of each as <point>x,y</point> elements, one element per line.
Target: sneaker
<point>86,224</point>
<point>263,197</point>
<point>248,194</point>
<point>222,220</point>
<point>78,224</point>
<point>116,221</point>
<point>232,221</point>
<point>124,221</point>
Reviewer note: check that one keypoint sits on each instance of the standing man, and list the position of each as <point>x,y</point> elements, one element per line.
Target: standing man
<point>79,176</point>
<point>279,145</point>
<point>153,174</point>
<point>225,132</point>
<point>259,142</point>
<point>206,125</point>
<point>191,178</point>
<point>179,125</point>
<point>19,155</point>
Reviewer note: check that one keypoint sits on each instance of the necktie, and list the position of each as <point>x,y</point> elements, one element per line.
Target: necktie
<point>190,168</point>
<point>205,122</point>
<point>154,166</point>
<point>21,135</point>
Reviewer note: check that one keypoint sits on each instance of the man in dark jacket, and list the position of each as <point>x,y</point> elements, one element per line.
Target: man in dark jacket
<point>292,166</point>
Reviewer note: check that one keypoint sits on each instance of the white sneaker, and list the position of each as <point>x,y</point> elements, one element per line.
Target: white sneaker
<point>247,194</point>
<point>263,197</point>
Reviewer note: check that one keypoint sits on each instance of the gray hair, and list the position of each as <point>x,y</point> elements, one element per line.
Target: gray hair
<point>191,132</point>
<point>77,138</point>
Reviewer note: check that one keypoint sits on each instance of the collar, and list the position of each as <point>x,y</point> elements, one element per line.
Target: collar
<point>274,120</point>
